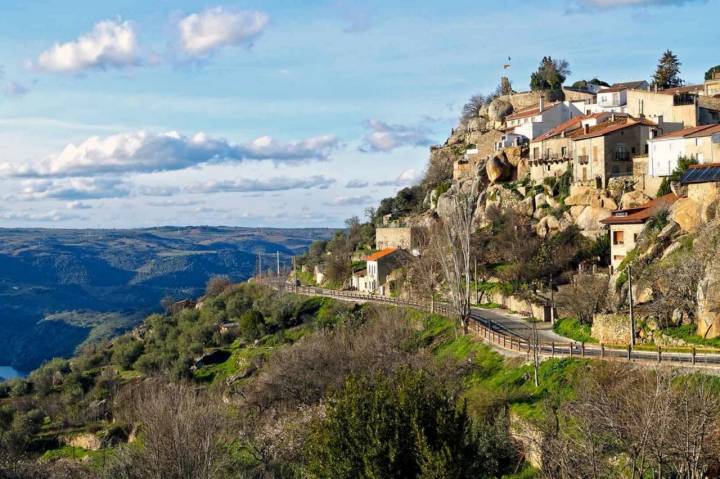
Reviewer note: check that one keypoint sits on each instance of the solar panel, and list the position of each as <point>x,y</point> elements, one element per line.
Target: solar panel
<point>701,175</point>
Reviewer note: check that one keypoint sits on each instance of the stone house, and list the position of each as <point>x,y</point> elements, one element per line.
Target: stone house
<point>407,238</point>
<point>615,98</point>
<point>712,86</point>
<point>551,153</point>
<point>703,196</point>
<point>700,142</point>
<point>674,109</point>
<point>607,150</point>
<point>627,224</point>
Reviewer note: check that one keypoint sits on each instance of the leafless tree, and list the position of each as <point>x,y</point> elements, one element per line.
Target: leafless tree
<point>183,431</point>
<point>452,247</point>
<point>585,296</point>
<point>216,285</point>
<point>472,108</point>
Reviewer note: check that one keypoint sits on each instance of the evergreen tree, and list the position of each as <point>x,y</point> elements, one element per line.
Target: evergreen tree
<point>667,74</point>
<point>550,76</point>
<point>710,72</point>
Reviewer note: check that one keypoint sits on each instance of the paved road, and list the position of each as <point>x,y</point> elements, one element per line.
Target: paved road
<point>518,326</point>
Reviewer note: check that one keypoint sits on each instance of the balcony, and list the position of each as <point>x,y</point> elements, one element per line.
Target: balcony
<point>583,159</point>
<point>622,156</point>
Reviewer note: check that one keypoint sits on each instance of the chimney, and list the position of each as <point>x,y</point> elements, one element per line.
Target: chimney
<point>542,104</point>
<point>586,128</point>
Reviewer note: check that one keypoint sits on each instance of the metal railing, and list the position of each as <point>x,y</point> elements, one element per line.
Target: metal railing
<point>502,337</point>
<point>583,159</point>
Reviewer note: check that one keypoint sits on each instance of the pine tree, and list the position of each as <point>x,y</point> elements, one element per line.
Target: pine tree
<point>667,74</point>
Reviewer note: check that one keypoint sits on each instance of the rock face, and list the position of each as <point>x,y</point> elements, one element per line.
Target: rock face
<point>686,213</point>
<point>499,109</point>
<point>498,169</point>
<point>708,302</point>
<point>633,199</point>
<point>88,441</point>
<point>589,219</point>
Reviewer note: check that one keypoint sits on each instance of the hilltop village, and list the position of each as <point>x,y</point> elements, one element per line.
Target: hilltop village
<point>573,190</point>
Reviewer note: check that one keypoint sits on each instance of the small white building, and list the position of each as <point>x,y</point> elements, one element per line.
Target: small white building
<point>533,122</point>
<point>509,140</point>
<point>700,142</point>
<point>626,225</point>
<point>614,99</point>
<point>379,267</point>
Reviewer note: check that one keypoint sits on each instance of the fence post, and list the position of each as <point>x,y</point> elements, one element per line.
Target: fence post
<point>659,354</point>
<point>552,345</point>
<point>602,350</point>
<point>693,354</point>
<point>629,352</point>
<point>571,349</point>
<point>582,349</point>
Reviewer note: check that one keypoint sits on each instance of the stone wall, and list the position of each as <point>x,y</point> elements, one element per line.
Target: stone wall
<point>394,238</point>
<point>611,328</point>
<point>518,305</point>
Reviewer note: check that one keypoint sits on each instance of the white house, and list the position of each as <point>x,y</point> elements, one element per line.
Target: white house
<point>700,142</point>
<point>533,122</point>
<point>615,98</point>
<point>510,139</point>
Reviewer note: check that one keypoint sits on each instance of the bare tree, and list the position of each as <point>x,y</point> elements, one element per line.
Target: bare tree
<point>183,431</point>
<point>452,247</point>
<point>584,297</point>
<point>216,285</point>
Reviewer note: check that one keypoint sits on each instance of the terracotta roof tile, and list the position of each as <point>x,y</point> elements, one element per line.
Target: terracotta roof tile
<point>642,213</point>
<point>381,254</point>
<point>609,127</point>
<point>693,132</point>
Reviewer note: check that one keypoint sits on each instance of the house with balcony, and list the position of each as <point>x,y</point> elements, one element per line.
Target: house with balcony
<point>530,123</point>
<point>607,149</point>
<point>615,98</point>
<point>627,224</point>
<point>700,142</point>
<point>551,153</point>
<point>675,108</point>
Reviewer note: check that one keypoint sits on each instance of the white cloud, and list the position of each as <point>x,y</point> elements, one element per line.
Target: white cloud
<point>360,200</point>
<point>73,189</point>
<point>406,178</point>
<point>357,184</point>
<point>78,205</point>
<point>147,152</point>
<point>110,44</point>
<point>384,137</point>
<point>42,217</point>
<point>214,28</point>
<point>255,186</point>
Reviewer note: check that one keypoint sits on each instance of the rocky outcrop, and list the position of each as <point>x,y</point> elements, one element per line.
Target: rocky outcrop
<point>633,199</point>
<point>86,440</point>
<point>499,109</point>
<point>589,219</point>
<point>498,169</point>
<point>708,302</point>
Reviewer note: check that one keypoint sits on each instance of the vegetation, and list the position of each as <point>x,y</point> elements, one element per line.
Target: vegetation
<point>683,164</point>
<point>667,74</point>
<point>550,75</point>
<point>709,74</point>
<point>574,329</point>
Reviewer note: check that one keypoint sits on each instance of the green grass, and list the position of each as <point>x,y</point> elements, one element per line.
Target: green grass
<point>572,328</point>
<point>96,458</point>
<point>687,332</point>
<point>527,472</point>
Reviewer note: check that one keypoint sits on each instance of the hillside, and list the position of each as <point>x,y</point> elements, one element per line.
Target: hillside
<point>58,287</point>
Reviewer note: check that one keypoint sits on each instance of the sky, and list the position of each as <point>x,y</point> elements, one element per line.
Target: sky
<point>288,113</point>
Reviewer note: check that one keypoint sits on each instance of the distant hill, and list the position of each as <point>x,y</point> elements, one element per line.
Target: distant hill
<point>60,287</point>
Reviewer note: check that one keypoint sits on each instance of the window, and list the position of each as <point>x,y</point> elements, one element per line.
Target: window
<point>563,151</point>
<point>536,153</point>
<point>621,153</point>
<point>618,237</point>
<point>646,148</point>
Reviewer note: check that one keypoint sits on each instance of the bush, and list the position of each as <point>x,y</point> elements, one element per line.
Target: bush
<point>572,328</point>
<point>683,164</point>
<point>404,426</point>
<point>252,325</point>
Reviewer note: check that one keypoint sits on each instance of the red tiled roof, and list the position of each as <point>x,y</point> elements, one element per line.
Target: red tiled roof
<point>568,125</point>
<point>693,132</point>
<point>642,213</point>
<point>381,254</point>
<point>610,127</point>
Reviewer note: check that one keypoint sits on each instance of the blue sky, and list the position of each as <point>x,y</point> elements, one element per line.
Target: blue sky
<point>279,113</point>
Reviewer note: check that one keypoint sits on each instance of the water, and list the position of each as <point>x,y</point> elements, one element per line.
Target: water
<point>8,372</point>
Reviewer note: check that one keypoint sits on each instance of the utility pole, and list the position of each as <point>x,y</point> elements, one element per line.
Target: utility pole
<point>260,263</point>
<point>552,302</point>
<point>632,311</point>
<point>277,254</point>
